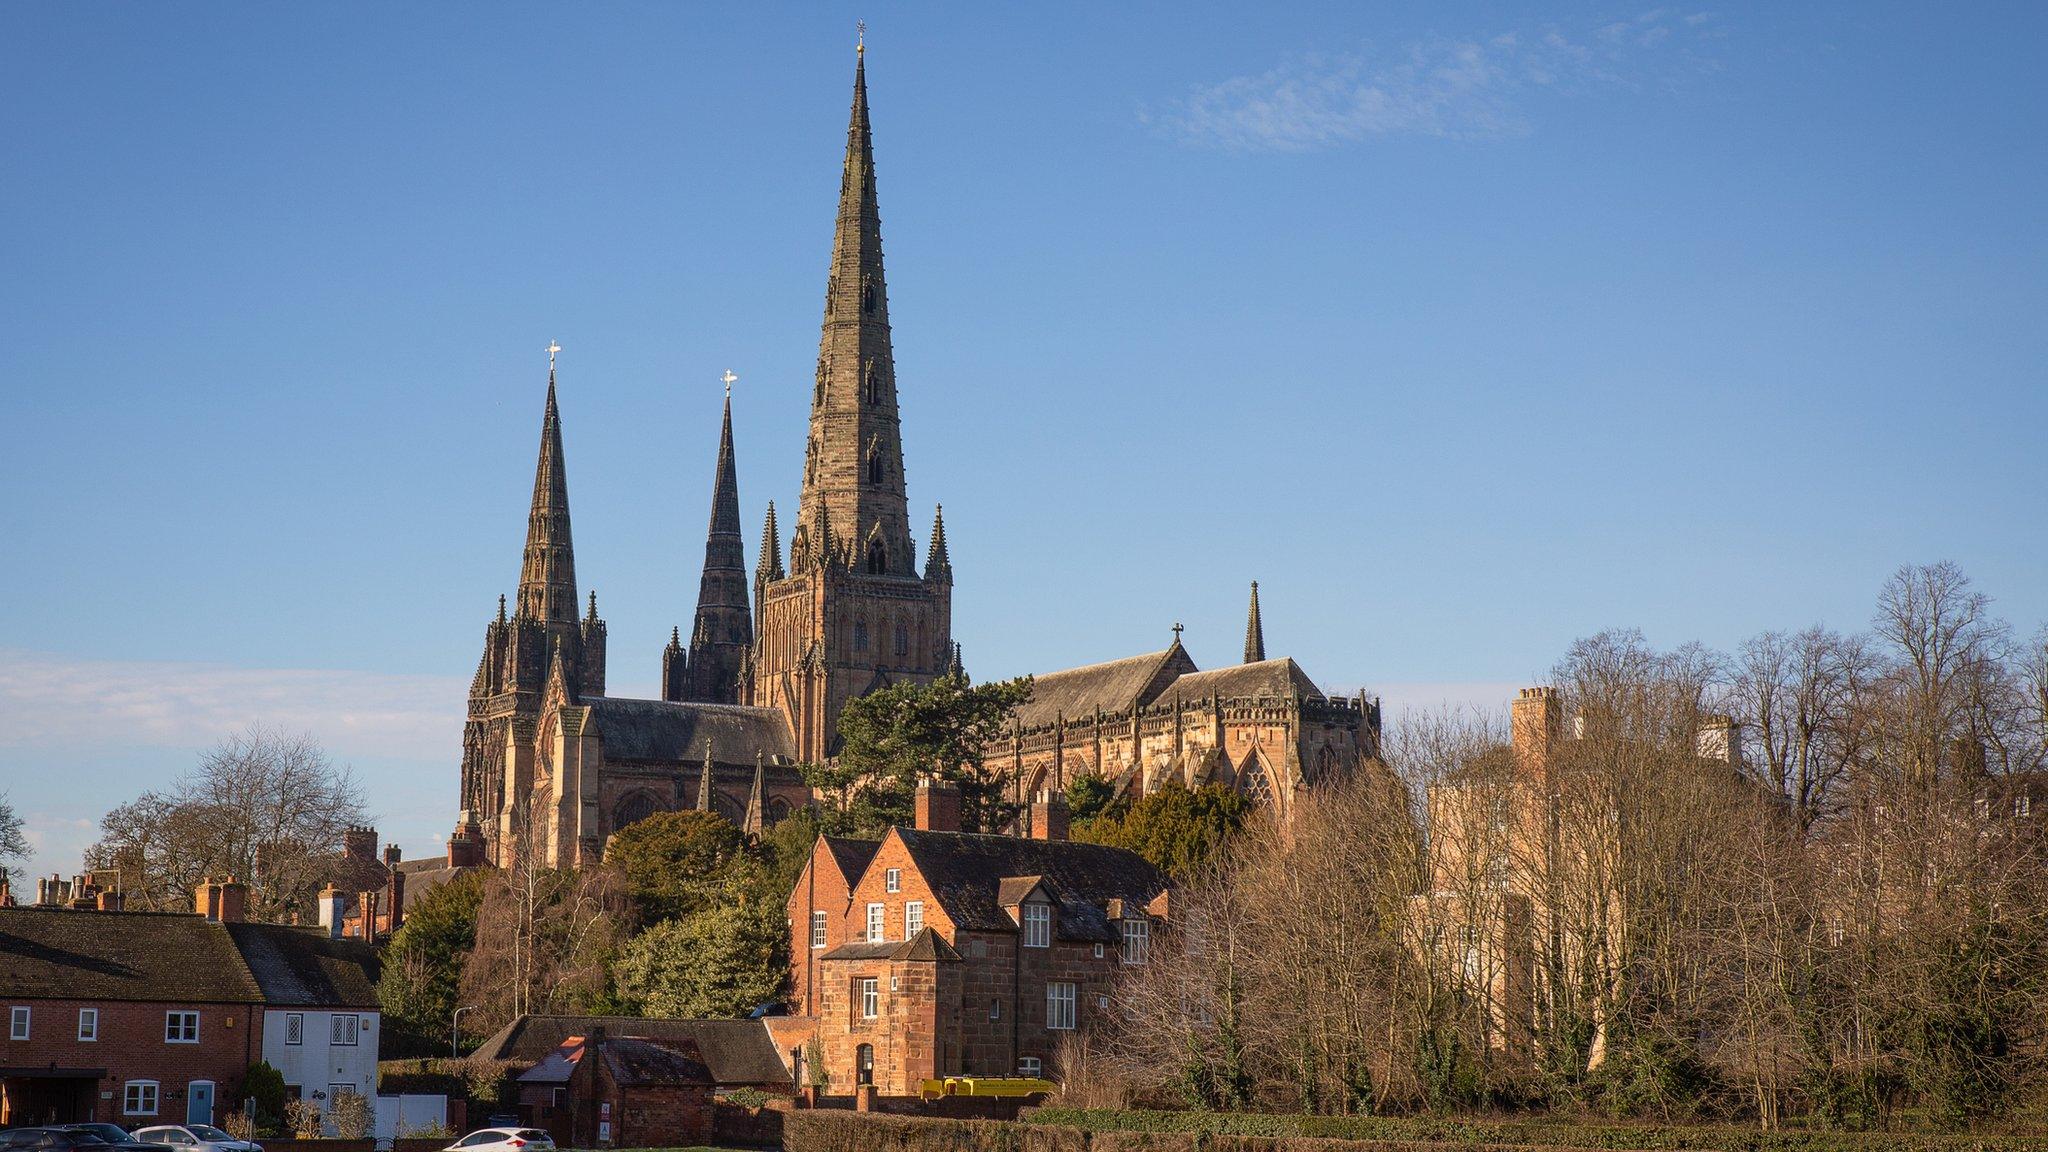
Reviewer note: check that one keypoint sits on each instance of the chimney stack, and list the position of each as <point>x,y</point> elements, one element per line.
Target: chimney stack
<point>333,906</point>
<point>1536,721</point>
<point>367,903</point>
<point>1049,815</point>
<point>938,806</point>
<point>109,900</point>
<point>466,846</point>
<point>224,901</point>
<point>394,889</point>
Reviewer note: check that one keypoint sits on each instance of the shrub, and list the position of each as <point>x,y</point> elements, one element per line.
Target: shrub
<point>302,1117</point>
<point>352,1115</point>
<point>265,1085</point>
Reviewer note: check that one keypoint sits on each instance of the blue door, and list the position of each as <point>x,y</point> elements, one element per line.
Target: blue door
<point>199,1102</point>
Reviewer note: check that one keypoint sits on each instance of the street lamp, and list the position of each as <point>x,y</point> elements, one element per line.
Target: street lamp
<point>455,1031</point>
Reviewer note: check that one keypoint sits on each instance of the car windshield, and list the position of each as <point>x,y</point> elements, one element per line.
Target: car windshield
<point>208,1132</point>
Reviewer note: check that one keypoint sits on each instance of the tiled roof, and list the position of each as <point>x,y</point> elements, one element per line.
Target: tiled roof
<point>1076,693</point>
<point>557,1066</point>
<point>305,968</point>
<point>637,1063</point>
<point>852,855</point>
<point>926,945</point>
<point>677,733</point>
<point>1279,678</point>
<point>50,953</point>
<point>737,1051</point>
<point>966,872</point>
<point>426,874</point>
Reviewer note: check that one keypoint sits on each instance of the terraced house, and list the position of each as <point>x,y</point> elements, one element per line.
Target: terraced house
<point>155,1017</point>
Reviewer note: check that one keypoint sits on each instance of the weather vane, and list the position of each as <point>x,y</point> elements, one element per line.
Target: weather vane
<point>860,37</point>
<point>728,378</point>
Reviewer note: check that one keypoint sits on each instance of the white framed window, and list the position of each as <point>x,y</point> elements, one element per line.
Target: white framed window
<point>1098,951</point>
<point>2022,805</point>
<point>138,1098</point>
<point>181,1027</point>
<point>893,879</point>
<point>995,1009</point>
<point>1037,925</point>
<point>1137,941</point>
<point>1059,1006</point>
<point>17,1022</point>
<point>344,1029</point>
<point>295,1028</point>
<point>878,919</point>
<point>913,919</point>
<point>1028,1066</point>
<point>817,929</point>
<point>870,998</point>
<point>895,983</point>
<point>88,1025</point>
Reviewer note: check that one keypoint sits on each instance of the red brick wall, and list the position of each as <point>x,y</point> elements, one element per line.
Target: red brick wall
<point>131,1047</point>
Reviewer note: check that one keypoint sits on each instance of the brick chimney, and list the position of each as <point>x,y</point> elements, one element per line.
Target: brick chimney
<point>938,806</point>
<point>466,846</point>
<point>359,843</point>
<point>333,906</point>
<point>1049,815</point>
<point>6,892</point>
<point>1536,721</point>
<point>394,889</point>
<point>366,904</point>
<point>109,900</point>
<point>224,901</point>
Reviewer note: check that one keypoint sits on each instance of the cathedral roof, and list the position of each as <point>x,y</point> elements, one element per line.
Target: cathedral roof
<point>677,733</point>
<point>1279,678</point>
<point>1112,687</point>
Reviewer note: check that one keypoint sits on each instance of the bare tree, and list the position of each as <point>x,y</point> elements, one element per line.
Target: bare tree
<point>13,842</point>
<point>266,807</point>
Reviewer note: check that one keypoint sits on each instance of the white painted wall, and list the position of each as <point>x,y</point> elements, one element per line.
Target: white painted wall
<point>316,1063</point>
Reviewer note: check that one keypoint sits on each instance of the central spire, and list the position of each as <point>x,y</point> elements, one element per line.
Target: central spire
<point>547,574</point>
<point>724,628</point>
<point>853,468</point>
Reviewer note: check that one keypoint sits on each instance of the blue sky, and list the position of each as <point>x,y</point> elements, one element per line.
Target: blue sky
<point>1465,330</point>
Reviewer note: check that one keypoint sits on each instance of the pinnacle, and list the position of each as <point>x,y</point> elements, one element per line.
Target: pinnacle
<point>769,566</point>
<point>1254,631</point>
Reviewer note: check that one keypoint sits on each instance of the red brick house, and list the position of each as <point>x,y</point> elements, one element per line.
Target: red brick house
<point>954,953</point>
<point>620,1091</point>
<point>130,1017</point>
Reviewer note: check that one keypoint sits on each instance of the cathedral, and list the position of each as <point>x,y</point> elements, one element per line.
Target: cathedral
<point>552,766</point>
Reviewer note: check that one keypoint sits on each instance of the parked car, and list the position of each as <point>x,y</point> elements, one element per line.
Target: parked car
<point>195,1138</point>
<point>66,1139</point>
<point>505,1140</point>
<point>114,1135</point>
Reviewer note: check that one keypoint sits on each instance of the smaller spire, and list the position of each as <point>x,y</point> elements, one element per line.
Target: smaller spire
<point>704,781</point>
<point>501,607</point>
<point>1254,631</point>
<point>769,566</point>
<point>593,603</point>
<point>675,638</point>
<point>757,808</point>
<point>938,563</point>
<point>954,667</point>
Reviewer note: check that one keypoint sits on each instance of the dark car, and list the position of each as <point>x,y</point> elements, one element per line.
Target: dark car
<point>114,1135</point>
<point>64,1140</point>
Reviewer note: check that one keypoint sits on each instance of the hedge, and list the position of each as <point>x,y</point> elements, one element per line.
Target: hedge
<point>836,1131</point>
<point>1470,1132</point>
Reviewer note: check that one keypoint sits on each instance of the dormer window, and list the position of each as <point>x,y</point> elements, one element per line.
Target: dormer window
<point>1037,925</point>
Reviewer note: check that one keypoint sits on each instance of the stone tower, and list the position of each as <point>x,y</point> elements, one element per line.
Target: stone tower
<point>505,697</point>
<point>853,613</point>
<point>724,630</point>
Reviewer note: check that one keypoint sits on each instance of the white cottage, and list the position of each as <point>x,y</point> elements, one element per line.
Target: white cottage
<point>320,1020</point>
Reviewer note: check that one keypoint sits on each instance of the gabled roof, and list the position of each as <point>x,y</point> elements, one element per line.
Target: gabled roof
<point>1279,678</point>
<point>966,872</point>
<point>60,953</point>
<point>306,968</point>
<point>1112,687</point>
<point>557,1066</point>
<point>852,856</point>
<point>926,945</point>
<point>738,1052</point>
<point>673,732</point>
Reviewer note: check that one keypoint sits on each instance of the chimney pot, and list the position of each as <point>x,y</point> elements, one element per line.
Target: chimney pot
<point>1049,815</point>
<point>938,806</point>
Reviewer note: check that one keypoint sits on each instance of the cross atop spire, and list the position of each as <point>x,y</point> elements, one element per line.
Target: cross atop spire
<point>1178,628</point>
<point>1254,631</point>
<point>860,38</point>
<point>728,378</point>
<point>552,349</point>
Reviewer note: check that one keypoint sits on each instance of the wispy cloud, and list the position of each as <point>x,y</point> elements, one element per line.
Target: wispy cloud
<point>54,702</point>
<point>1473,88</point>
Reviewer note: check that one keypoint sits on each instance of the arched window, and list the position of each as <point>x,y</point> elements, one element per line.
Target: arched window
<point>874,467</point>
<point>867,295</point>
<point>860,635</point>
<point>637,806</point>
<point>878,558</point>
<point>870,385</point>
<point>778,810</point>
<point>902,640</point>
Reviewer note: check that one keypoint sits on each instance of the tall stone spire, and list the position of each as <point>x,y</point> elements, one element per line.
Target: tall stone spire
<point>547,575</point>
<point>1254,631</point>
<point>724,627</point>
<point>853,466</point>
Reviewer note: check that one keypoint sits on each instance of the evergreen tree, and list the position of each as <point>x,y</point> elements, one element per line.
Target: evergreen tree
<point>723,961</point>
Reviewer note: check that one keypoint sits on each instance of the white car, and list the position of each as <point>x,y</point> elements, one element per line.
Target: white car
<point>195,1138</point>
<point>504,1140</point>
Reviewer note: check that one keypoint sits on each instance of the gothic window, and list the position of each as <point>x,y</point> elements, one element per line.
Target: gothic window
<point>867,296</point>
<point>637,806</point>
<point>1254,783</point>
<point>870,385</point>
<point>874,467</point>
<point>902,640</point>
<point>860,635</point>
<point>778,810</point>
<point>878,559</point>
